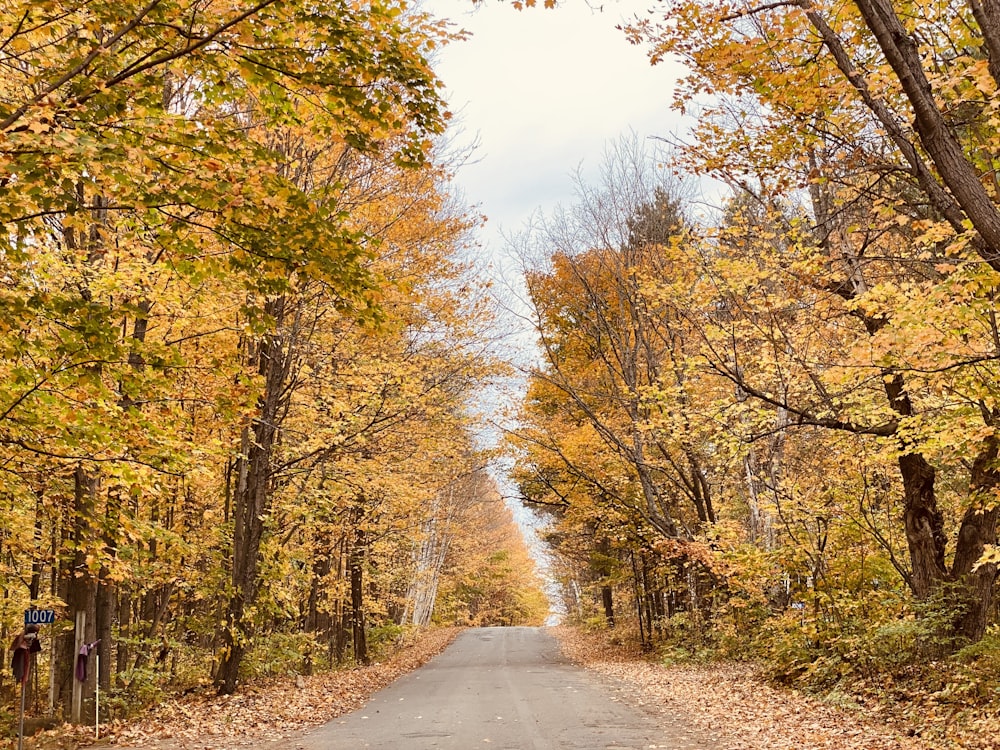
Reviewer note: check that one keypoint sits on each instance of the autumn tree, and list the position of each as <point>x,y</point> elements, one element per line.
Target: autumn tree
<point>862,133</point>
<point>487,576</point>
<point>613,413</point>
<point>228,288</point>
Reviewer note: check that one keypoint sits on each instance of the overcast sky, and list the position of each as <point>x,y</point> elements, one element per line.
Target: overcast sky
<point>544,92</point>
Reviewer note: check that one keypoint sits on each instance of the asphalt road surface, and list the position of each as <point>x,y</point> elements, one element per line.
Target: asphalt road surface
<point>501,689</point>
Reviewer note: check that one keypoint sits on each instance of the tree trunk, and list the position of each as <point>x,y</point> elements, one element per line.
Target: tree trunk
<point>106,607</point>
<point>607,599</point>
<point>604,567</point>
<point>979,528</point>
<point>105,610</point>
<point>320,571</point>
<point>637,592</point>
<point>252,498</point>
<point>948,155</point>
<point>924,525</point>
<point>34,589</point>
<point>234,646</point>
<point>357,561</point>
<point>80,585</point>
<point>126,626</point>
<point>341,614</point>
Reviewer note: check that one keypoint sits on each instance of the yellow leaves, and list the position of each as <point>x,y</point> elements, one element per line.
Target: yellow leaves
<point>155,221</point>
<point>488,577</point>
<point>39,126</point>
<point>522,4</point>
<point>990,556</point>
<point>979,73</point>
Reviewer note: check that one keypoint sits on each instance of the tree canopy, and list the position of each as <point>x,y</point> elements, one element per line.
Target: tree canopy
<point>239,332</point>
<point>772,428</point>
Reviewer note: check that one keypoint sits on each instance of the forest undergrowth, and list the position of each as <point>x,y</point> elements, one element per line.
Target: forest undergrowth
<point>264,712</point>
<point>738,702</point>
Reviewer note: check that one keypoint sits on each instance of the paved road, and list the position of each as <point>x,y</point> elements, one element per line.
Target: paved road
<point>501,689</point>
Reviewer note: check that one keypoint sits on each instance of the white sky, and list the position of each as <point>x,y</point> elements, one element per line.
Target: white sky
<point>545,91</point>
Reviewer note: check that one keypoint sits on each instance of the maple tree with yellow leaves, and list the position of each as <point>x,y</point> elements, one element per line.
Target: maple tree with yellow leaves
<point>236,339</point>
<point>835,344</point>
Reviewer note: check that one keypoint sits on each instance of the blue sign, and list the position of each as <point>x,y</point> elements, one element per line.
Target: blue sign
<point>39,616</point>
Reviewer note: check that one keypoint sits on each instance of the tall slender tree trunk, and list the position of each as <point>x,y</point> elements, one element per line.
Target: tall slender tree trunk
<point>644,636</point>
<point>252,502</point>
<point>106,604</point>
<point>605,568</point>
<point>123,653</point>
<point>34,589</point>
<point>314,620</point>
<point>357,567</point>
<point>80,585</point>
<point>253,495</point>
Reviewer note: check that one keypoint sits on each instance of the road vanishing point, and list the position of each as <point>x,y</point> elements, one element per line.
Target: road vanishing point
<point>503,689</point>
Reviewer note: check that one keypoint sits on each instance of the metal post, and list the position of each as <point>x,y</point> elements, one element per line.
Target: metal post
<point>20,720</point>
<point>97,696</point>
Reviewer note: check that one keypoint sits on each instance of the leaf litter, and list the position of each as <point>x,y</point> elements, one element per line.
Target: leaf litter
<point>734,704</point>
<point>730,703</point>
<point>262,712</point>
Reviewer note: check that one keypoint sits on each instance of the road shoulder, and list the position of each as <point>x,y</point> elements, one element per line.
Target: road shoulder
<point>732,703</point>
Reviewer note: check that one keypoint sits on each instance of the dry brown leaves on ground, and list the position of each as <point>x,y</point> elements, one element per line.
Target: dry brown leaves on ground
<point>258,713</point>
<point>734,704</point>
